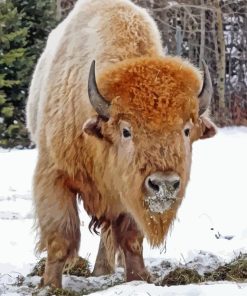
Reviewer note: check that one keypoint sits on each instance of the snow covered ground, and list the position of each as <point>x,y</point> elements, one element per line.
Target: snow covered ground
<point>211,225</point>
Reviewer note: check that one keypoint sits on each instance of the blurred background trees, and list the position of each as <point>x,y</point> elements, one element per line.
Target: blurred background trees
<point>24,27</point>
<point>213,30</point>
<point>216,31</point>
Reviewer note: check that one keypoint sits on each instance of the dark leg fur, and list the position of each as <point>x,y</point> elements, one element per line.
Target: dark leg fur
<point>130,240</point>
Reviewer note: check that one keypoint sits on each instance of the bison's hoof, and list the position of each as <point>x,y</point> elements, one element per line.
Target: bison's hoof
<point>41,284</point>
<point>139,276</point>
<point>102,270</point>
<point>50,284</point>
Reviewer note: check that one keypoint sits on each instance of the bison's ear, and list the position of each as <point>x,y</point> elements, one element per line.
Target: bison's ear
<point>92,126</point>
<point>209,129</point>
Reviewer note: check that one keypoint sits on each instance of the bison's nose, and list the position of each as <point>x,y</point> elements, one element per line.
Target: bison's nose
<point>160,182</point>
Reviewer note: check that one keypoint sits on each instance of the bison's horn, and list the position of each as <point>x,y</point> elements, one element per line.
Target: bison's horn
<point>100,105</point>
<point>207,90</point>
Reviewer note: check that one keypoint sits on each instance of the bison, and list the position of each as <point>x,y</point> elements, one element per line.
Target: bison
<point>118,137</point>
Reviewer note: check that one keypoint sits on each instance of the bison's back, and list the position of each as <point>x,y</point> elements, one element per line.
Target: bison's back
<point>39,83</point>
<point>107,31</point>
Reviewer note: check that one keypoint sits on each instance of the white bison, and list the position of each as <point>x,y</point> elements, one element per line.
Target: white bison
<point>121,144</point>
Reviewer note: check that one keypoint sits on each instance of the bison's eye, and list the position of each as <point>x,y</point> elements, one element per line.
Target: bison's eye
<point>187,132</point>
<point>126,133</point>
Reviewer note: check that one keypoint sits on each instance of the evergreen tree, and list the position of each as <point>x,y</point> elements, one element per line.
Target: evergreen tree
<point>39,16</point>
<point>13,73</point>
<point>24,27</point>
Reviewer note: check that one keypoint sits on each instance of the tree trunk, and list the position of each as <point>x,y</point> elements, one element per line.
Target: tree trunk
<point>58,10</point>
<point>202,43</point>
<point>219,42</point>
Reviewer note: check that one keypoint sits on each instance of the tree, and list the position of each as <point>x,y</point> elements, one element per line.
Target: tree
<point>13,72</point>
<point>39,16</point>
<point>24,27</point>
<point>214,30</point>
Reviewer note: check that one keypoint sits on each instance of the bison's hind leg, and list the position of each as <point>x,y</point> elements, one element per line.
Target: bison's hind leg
<point>57,221</point>
<point>102,266</point>
<point>109,255</point>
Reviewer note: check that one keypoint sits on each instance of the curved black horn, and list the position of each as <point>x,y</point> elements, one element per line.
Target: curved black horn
<point>100,105</point>
<point>207,90</point>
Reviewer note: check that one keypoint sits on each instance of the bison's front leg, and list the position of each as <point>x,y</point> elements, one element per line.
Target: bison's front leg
<point>130,240</point>
<point>57,221</point>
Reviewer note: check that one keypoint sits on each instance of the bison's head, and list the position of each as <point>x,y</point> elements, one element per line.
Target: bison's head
<point>149,112</point>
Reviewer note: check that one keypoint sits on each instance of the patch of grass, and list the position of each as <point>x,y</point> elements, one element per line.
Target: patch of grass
<point>62,292</point>
<point>181,276</point>
<point>80,268</point>
<point>39,268</point>
<point>236,271</point>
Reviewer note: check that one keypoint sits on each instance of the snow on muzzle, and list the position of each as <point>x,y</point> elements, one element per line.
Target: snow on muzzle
<point>162,189</point>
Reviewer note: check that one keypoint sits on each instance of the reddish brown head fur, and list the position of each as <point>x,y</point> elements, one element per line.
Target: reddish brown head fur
<point>159,92</point>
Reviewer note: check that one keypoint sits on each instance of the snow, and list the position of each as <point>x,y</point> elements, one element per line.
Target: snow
<point>210,227</point>
<point>138,289</point>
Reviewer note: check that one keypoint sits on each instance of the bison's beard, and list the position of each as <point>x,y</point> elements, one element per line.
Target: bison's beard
<point>154,220</point>
<point>156,224</point>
